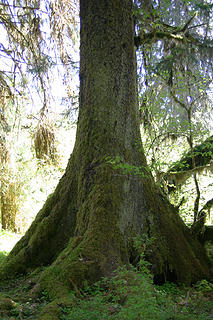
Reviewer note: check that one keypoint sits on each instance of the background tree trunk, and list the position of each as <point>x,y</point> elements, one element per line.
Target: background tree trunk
<point>86,228</point>
<point>9,195</point>
<point>9,208</point>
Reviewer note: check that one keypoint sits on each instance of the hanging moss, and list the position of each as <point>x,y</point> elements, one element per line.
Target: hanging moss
<point>44,141</point>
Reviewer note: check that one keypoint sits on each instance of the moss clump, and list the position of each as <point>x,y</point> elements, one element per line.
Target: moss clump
<point>203,154</point>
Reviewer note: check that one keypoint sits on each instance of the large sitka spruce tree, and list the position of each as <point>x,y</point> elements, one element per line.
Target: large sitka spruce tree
<point>107,196</point>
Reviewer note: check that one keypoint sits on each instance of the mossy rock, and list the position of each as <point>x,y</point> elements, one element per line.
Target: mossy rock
<point>56,308</point>
<point>7,303</point>
<point>7,306</point>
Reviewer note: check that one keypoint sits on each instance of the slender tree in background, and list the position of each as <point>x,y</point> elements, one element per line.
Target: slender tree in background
<point>9,182</point>
<point>107,195</point>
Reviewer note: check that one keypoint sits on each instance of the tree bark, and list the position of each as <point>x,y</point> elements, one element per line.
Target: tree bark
<point>86,228</point>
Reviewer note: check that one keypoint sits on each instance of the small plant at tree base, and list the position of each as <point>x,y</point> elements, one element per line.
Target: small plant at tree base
<point>143,244</point>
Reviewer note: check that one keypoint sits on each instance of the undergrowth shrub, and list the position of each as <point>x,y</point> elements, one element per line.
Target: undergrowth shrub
<point>131,295</point>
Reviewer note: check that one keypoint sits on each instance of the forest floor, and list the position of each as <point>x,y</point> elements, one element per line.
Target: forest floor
<point>128,295</point>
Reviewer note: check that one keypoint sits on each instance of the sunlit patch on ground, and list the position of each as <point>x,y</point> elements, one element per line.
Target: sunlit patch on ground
<point>8,240</point>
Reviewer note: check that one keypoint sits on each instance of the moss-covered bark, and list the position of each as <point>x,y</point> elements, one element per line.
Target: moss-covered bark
<point>86,228</point>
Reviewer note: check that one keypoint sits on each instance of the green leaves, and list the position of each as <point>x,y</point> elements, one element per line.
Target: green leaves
<point>126,168</point>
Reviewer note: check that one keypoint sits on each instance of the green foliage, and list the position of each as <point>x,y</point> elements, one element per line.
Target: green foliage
<point>131,295</point>
<point>202,153</point>
<point>169,288</point>
<point>203,286</point>
<point>93,309</point>
<point>127,168</point>
<point>142,244</point>
<point>3,255</point>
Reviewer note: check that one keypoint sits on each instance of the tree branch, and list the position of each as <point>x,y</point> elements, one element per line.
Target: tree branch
<point>198,227</point>
<point>165,31</point>
<point>183,29</point>
<point>179,178</point>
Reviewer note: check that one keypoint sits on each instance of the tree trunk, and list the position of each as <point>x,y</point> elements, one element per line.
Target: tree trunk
<point>8,207</point>
<point>86,228</point>
<point>8,191</point>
